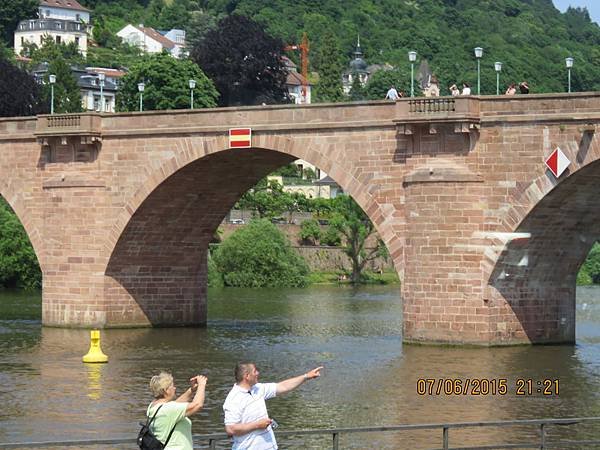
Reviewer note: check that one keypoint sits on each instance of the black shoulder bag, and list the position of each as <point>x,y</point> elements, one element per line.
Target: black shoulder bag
<point>146,439</point>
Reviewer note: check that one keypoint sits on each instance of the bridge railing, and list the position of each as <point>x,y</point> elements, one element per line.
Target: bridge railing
<point>69,125</point>
<point>210,441</point>
<point>442,108</point>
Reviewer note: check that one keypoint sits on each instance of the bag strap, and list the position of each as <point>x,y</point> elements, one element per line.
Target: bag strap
<point>149,422</point>
<point>169,436</point>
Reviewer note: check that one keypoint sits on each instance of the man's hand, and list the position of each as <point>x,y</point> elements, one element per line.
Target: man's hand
<point>315,373</point>
<point>261,424</point>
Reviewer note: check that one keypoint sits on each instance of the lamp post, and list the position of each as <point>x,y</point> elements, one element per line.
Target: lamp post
<point>141,87</point>
<point>569,63</point>
<point>192,86</point>
<point>101,77</point>
<point>52,80</point>
<point>412,57</point>
<point>498,68</point>
<point>478,54</point>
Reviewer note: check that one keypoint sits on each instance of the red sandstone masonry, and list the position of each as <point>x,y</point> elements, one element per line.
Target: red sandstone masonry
<point>121,236</point>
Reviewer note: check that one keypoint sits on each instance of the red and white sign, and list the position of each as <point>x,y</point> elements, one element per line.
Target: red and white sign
<point>557,162</point>
<point>240,137</point>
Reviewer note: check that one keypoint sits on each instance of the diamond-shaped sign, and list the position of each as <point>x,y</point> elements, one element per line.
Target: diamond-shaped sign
<point>557,162</point>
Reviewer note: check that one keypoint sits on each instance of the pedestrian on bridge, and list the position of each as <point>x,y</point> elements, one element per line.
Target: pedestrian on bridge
<point>171,424</point>
<point>246,416</point>
<point>392,94</point>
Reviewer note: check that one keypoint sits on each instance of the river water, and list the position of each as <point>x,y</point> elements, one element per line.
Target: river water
<point>369,378</point>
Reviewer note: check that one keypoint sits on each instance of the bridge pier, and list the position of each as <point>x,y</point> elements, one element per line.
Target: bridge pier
<point>128,296</point>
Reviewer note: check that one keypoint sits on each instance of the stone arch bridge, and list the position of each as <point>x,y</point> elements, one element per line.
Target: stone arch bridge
<point>120,208</point>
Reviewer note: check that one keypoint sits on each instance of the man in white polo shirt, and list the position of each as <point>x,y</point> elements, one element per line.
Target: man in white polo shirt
<point>246,417</point>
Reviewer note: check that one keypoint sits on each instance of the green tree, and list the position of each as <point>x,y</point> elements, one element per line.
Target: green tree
<point>350,221</point>
<point>382,80</point>
<point>259,255</point>
<point>201,22</point>
<point>18,264</point>
<point>331,237</point>
<point>329,87</point>
<point>166,81</point>
<point>11,13</point>
<point>310,231</point>
<point>244,62</point>
<point>357,92</point>
<point>50,51</point>
<point>591,266</point>
<point>20,94</point>
<point>67,96</point>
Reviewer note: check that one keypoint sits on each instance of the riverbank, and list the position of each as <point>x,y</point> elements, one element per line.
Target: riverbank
<point>369,277</point>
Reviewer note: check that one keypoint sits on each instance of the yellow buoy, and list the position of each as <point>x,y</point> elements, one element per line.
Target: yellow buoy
<point>95,355</point>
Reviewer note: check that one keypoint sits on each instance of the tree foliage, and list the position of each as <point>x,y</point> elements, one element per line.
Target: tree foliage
<point>532,38</point>
<point>351,221</point>
<point>11,13</point>
<point>20,94</point>
<point>310,231</point>
<point>591,267</point>
<point>244,62</point>
<point>329,88</point>
<point>166,85</point>
<point>259,255</point>
<point>18,264</point>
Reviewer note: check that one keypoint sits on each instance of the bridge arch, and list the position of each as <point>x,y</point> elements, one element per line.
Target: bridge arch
<point>27,221</point>
<point>157,246</point>
<point>551,226</point>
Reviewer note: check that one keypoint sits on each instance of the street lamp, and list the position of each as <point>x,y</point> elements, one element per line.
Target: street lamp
<point>412,57</point>
<point>192,86</point>
<point>52,80</point>
<point>478,54</point>
<point>569,63</point>
<point>101,77</point>
<point>141,87</point>
<point>498,68</point>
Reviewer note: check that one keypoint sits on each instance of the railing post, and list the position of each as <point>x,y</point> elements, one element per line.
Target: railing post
<point>212,444</point>
<point>336,441</point>
<point>542,437</point>
<point>445,438</point>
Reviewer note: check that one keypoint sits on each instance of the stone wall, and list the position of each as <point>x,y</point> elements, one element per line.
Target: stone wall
<point>331,259</point>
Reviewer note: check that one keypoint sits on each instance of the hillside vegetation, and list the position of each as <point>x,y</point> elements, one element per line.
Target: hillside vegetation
<point>531,37</point>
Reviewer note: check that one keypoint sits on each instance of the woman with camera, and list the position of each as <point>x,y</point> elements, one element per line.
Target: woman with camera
<point>171,424</point>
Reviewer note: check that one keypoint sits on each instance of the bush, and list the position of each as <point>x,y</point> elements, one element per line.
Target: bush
<point>331,237</point>
<point>19,266</point>
<point>214,277</point>
<point>584,278</point>
<point>259,255</point>
<point>310,232</point>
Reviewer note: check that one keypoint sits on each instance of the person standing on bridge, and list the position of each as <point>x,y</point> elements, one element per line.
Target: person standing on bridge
<point>246,417</point>
<point>171,424</point>
<point>392,94</point>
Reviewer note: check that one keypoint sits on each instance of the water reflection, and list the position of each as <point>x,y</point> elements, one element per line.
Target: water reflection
<point>369,377</point>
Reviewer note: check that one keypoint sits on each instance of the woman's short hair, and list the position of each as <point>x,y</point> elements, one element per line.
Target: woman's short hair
<point>160,383</point>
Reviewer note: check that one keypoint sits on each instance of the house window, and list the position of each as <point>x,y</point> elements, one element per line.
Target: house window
<point>47,13</point>
<point>58,39</point>
<point>22,40</point>
<point>77,41</point>
<point>77,17</point>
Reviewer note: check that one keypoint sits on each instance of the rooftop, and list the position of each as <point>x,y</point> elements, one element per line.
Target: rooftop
<point>65,4</point>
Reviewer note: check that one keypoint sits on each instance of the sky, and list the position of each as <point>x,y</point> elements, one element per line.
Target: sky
<point>593,6</point>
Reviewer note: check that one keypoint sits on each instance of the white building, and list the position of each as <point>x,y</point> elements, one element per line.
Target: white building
<point>65,21</point>
<point>151,41</point>
<point>97,85</point>
<point>294,83</point>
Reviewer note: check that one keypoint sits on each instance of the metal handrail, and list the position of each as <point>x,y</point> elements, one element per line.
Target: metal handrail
<point>213,438</point>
